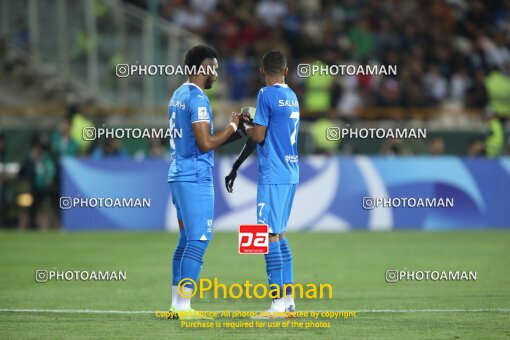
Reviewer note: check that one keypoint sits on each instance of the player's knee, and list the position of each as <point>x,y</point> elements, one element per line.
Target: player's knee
<point>273,237</point>
<point>183,240</point>
<point>195,249</point>
<point>198,244</point>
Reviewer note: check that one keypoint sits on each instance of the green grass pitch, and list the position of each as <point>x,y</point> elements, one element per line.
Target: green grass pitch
<point>354,263</point>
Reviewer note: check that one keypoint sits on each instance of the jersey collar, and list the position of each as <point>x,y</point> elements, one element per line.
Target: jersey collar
<point>198,87</point>
<point>282,85</point>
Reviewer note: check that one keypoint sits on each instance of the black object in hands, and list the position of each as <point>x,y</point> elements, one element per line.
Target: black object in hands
<point>229,180</point>
<point>241,131</point>
<point>247,119</point>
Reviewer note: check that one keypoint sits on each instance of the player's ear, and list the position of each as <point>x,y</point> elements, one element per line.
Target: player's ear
<point>285,72</point>
<point>262,72</point>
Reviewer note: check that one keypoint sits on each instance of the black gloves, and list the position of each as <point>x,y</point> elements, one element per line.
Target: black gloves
<point>229,180</point>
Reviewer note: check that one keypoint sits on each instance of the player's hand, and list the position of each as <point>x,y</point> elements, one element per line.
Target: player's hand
<point>235,118</point>
<point>229,180</point>
<point>246,121</point>
<point>246,116</point>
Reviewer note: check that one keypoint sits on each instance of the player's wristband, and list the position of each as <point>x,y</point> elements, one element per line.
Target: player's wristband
<point>234,125</point>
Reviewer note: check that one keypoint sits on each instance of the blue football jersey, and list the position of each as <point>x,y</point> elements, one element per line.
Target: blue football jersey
<point>278,110</point>
<point>188,105</point>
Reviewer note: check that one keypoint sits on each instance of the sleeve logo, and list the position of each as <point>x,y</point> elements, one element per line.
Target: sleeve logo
<point>202,113</point>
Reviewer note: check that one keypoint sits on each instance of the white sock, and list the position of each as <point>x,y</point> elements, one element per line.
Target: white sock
<point>289,301</point>
<point>278,305</point>
<point>183,303</point>
<point>174,295</point>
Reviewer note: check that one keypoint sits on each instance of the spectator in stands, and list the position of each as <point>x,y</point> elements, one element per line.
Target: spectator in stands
<point>110,148</point>
<point>350,99</point>
<point>498,90</point>
<point>62,144</point>
<point>436,85</point>
<point>362,39</point>
<point>394,147</point>
<point>436,146</point>
<point>239,71</point>
<point>205,6</point>
<point>39,172</point>
<point>324,141</point>
<point>191,18</point>
<point>459,85</point>
<point>79,123</point>
<point>318,89</point>
<point>476,148</point>
<point>20,36</point>
<point>495,141</point>
<point>158,149</point>
<point>477,93</point>
<point>270,12</point>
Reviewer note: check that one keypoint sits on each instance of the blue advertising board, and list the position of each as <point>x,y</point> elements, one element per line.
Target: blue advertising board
<point>332,194</point>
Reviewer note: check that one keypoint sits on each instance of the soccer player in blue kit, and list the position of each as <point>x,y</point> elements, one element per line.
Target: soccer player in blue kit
<point>190,174</point>
<point>275,134</point>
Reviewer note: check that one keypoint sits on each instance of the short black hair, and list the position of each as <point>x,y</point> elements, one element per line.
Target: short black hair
<point>274,62</point>
<point>196,55</point>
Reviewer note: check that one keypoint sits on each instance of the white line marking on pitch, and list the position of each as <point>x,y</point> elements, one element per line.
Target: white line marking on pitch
<point>93,311</point>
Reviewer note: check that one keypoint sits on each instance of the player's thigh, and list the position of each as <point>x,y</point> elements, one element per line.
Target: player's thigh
<point>263,203</point>
<point>282,197</point>
<point>196,202</point>
<point>270,207</point>
<point>290,192</point>
<point>173,192</point>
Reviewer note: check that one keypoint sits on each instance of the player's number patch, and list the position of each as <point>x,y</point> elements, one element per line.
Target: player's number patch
<point>294,115</point>
<point>261,207</point>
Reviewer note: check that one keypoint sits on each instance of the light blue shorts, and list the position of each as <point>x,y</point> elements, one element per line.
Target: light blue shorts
<point>194,202</point>
<point>274,203</point>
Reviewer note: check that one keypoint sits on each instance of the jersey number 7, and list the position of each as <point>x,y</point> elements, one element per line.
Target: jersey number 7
<point>294,115</point>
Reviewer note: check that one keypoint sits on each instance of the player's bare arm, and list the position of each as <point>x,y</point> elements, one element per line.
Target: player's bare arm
<point>207,141</point>
<point>256,132</point>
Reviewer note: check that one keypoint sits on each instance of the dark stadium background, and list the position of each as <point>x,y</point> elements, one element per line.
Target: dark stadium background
<point>58,60</point>
<point>58,75</point>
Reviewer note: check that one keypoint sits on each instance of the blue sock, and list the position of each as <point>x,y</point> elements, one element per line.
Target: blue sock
<point>176,260</point>
<point>287,272</point>
<point>274,267</point>
<point>191,263</point>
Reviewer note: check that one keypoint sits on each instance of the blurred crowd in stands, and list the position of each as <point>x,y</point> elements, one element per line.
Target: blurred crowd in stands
<point>455,50</point>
